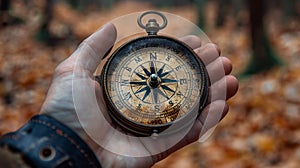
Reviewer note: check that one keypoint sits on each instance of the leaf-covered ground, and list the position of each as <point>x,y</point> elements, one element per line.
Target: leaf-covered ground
<point>262,128</point>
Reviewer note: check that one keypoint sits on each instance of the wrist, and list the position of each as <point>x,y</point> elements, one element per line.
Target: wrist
<point>45,142</point>
<point>71,120</point>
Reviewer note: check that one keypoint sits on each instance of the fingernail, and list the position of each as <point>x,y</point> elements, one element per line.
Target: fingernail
<point>103,26</point>
<point>99,30</point>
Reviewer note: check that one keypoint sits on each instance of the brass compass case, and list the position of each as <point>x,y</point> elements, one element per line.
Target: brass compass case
<point>154,81</point>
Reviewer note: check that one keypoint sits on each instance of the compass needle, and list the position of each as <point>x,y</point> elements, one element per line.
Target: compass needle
<point>155,95</point>
<point>161,70</point>
<point>169,80</point>
<point>152,67</point>
<point>167,88</point>
<point>163,94</point>
<point>138,83</point>
<point>142,90</point>
<point>148,90</point>
<point>140,76</point>
<point>145,70</point>
<point>166,73</point>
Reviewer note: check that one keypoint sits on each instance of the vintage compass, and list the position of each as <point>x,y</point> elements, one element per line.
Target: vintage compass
<point>154,82</point>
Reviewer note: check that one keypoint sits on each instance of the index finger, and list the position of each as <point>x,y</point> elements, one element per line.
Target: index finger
<point>94,48</point>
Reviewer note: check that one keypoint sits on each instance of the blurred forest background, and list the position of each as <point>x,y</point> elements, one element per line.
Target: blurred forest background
<point>261,37</point>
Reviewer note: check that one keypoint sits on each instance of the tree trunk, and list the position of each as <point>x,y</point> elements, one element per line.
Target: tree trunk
<point>200,13</point>
<point>263,56</point>
<point>44,34</point>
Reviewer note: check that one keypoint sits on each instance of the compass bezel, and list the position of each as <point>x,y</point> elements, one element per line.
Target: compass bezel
<point>170,43</point>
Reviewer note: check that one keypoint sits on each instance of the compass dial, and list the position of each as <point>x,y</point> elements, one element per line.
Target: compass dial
<point>152,82</point>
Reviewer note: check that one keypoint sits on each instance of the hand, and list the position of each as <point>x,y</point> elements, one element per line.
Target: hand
<point>75,75</point>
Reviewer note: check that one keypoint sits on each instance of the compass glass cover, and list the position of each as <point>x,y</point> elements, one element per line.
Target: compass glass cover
<point>154,80</point>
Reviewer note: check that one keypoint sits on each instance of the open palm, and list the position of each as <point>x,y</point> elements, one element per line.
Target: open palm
<point>60,102</point>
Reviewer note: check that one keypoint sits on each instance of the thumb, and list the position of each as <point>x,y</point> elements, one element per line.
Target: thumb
<point>93,49</point>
